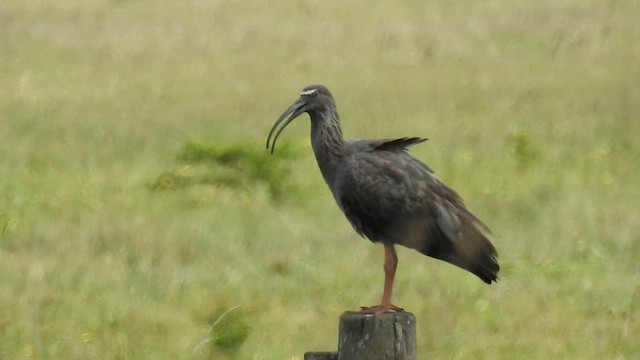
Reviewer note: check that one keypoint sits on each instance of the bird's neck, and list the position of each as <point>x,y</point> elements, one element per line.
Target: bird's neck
<point>327,142</point>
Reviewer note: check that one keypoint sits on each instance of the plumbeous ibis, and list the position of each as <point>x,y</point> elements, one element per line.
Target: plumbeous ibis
<point>390,197</point>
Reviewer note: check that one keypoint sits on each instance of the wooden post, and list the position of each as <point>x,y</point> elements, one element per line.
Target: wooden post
<point>390,336</point>
<point>321,355</point>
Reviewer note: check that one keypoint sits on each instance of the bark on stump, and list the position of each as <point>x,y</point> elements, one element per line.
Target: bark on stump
<point>321,355</point>
<point>390,336</point>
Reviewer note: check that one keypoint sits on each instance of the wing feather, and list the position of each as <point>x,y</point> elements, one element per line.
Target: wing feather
<point>391,197</point>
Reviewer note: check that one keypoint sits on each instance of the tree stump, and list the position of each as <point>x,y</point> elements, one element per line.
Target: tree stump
<point>390,336</point>
<point>325,355</point>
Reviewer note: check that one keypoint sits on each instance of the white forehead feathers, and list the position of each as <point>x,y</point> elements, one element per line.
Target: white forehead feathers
<point>308,92</point>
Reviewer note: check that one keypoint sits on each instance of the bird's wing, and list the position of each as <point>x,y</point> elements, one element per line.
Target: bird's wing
<point>399,144</point>
<point>365,145</point>
<point>391,197</point>
<point>376,188</point>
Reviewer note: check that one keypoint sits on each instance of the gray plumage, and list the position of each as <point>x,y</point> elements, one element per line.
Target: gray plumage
<point>390,196</point>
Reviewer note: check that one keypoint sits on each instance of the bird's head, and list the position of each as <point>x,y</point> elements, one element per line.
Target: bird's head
<point>313,98</point>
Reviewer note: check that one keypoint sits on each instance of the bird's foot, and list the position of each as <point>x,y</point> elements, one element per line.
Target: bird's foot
<point>380,309</point>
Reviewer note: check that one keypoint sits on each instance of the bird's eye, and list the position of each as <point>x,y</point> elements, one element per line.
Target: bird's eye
<point>311,92</point>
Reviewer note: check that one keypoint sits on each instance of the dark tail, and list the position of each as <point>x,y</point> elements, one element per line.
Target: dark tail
<point>471,250</point>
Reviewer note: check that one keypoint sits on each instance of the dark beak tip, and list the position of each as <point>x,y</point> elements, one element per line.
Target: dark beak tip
<point>294,110</point>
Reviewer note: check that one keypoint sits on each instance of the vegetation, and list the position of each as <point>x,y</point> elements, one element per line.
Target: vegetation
<point>532,113</point>
<point>236,166</point>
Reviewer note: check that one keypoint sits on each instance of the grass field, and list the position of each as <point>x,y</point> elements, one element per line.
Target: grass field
<point>532,110</point>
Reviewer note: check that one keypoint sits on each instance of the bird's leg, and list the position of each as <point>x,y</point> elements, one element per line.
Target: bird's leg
<point>390,266</point>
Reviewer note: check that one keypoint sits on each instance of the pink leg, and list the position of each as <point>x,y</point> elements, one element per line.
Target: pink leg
<point>390,266</point>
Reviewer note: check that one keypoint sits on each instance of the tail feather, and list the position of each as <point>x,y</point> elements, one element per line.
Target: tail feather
<point>471,250</point>
<point>478,255</point>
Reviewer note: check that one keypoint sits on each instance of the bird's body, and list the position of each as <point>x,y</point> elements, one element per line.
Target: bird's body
<point>391,197</point>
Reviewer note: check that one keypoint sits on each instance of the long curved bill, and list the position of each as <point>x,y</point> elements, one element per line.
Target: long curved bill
<point>295,110</point>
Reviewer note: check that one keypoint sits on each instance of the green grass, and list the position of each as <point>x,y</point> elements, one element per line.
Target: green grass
<point>532,113</point>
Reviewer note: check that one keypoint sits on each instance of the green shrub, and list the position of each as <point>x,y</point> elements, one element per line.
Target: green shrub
<point>239,166</point>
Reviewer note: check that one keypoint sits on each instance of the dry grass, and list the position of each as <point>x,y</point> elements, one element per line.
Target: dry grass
<point>531,108</point>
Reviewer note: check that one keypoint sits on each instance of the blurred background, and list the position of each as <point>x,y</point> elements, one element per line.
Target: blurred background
<point>142,218</point>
